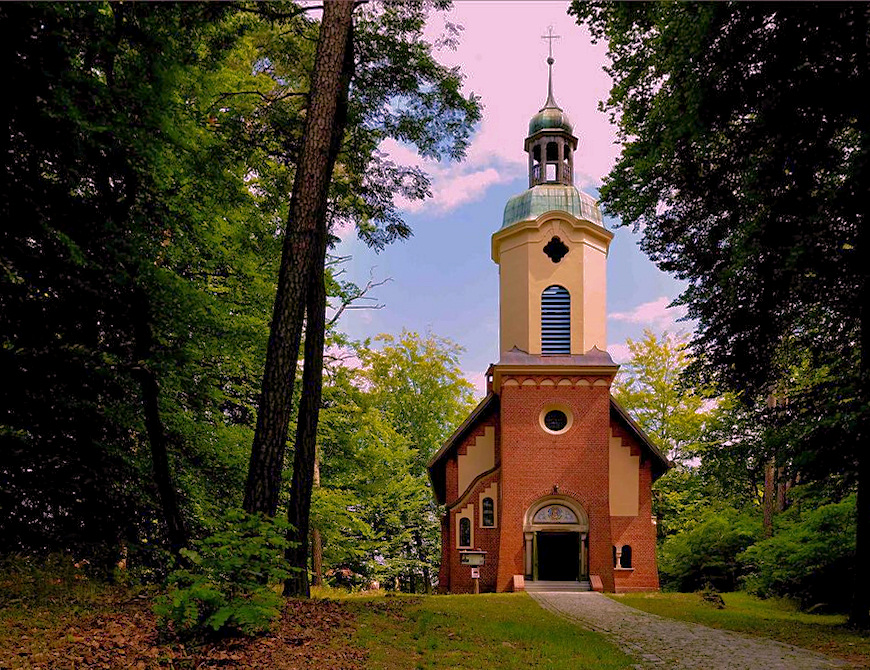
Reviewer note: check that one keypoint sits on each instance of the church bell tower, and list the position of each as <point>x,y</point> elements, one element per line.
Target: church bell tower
<point>552,249</point>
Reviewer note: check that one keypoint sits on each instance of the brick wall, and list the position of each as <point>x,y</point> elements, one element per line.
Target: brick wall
<point>534,461</point>
<point>638,532</point>
<point>529,463</point>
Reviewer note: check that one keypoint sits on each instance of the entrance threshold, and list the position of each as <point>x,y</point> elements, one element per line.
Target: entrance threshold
<point>546,586</point>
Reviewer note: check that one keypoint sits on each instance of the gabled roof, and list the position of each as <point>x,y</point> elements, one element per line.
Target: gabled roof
<point>660,463</point>
<point>436,465</point>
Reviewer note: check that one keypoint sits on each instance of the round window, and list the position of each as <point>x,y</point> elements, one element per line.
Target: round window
<point>555,420</point>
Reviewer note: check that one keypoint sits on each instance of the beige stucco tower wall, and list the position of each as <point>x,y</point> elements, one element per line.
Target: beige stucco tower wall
<point>525,270</point>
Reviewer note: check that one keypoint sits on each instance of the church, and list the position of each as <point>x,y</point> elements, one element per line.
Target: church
<point>549,479</point>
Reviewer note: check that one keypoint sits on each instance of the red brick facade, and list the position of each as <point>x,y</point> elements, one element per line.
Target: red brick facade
<point>532,464</point>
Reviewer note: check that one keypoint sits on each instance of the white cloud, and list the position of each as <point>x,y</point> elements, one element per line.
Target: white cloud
<point>655,314</point>
<point>450,190</point>
<point>479,381</point>
<point>620,353</point>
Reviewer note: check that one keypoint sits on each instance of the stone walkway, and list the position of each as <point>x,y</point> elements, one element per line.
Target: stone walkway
<point>659,643</point>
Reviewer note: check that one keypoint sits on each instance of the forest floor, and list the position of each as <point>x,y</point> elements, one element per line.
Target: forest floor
<point>87,625</point>
<point>92,626</point>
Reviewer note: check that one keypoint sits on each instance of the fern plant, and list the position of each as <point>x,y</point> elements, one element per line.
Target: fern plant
<point>233,582</point>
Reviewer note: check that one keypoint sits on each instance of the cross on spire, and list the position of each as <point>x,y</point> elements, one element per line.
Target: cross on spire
<point>550,37</point>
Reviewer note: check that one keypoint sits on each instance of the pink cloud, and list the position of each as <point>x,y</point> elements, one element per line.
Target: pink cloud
<point>655,314</point>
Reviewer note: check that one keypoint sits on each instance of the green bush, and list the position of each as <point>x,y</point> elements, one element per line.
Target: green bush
<point>233,582</point>
<point>707,554</point>
<point>809,558</point>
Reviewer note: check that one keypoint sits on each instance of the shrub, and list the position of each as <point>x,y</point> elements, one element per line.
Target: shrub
<point>809,558</point>
<point>707,554</point>
<point>228,587</point>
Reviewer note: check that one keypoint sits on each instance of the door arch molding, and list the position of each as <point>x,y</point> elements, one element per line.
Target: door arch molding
<point>531,525</point>
<point>555,514</point>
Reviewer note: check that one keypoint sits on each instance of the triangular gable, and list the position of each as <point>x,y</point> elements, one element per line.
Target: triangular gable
<point>436,465</point>
<point>659,461</point>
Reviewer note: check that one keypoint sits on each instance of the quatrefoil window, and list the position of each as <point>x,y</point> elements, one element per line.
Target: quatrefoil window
<point>556,249</point>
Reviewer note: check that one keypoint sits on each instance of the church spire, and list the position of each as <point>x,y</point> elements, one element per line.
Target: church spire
<point>551,101</point>
<point>551,142</point>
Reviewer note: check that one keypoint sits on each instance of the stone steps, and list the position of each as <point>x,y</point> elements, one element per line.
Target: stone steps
<point>558,587</point>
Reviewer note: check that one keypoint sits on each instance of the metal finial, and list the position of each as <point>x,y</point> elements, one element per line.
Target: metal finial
<point>551,101</point>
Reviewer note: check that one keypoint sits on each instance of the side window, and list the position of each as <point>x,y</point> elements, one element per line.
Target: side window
<point>615,564</point>
<point>625,560</point>
<point>464,532</point>
<point>488,513</point>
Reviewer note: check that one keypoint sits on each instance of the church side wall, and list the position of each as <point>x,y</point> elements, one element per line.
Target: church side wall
<point>639,532</point>
<point>453,577</point>
<point>485,539</point>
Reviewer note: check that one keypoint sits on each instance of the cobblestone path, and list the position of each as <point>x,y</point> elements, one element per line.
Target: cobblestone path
<point>659,643</point>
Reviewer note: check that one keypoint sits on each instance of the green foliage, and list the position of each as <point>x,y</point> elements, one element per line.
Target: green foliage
<point>230,585</point>
<point>380,424</point>
<point>743,162</point>
<point>650,386</point>
<point>708,552</point>
<point>809,558</point>
<point>148,158</point>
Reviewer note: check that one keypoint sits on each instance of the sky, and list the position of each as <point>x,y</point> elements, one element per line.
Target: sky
<point>443,280</point>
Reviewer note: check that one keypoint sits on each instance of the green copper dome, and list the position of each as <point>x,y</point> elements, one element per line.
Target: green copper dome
<point>529,205</point>
<point>550,118</point>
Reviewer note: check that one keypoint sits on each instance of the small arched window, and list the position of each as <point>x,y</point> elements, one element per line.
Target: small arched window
<point>615,564</point>
<point>488,515</point>
<point>464,532</point>
<point>555,321</point>
<point>625,559</point>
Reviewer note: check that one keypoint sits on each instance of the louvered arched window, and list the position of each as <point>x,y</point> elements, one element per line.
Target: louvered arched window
<point>555,321</point>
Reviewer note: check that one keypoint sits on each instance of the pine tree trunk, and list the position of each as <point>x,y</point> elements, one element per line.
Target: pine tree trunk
<point>769,499</point>
<point>299,506</point>
<point>316,539</point>
<point>316,558</point>
<point>325,119</point>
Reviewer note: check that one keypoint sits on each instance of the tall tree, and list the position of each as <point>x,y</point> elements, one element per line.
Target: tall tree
<point>418,386</point>
<point>303,257</point>
<point>394,87</point>
<point>650,386</point>
<point>745,162</point>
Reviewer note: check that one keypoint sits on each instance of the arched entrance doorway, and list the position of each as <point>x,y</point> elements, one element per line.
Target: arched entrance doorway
<point>556,532</point>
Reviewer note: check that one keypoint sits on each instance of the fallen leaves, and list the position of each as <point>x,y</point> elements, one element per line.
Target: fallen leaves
<point>123,634</point>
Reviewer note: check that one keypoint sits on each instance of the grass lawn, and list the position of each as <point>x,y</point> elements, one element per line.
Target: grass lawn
<point>475,631</point>
<point>775,619</point>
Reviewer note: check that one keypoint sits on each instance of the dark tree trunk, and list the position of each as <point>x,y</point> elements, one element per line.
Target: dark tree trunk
<point>299,506</point>
<point>299,261</point>
<point>316,558</point>
<point>427,577</point>
<point>769,498</point>
<point>150,390</point>
<point>859,613</point>
<point>316,539</point>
